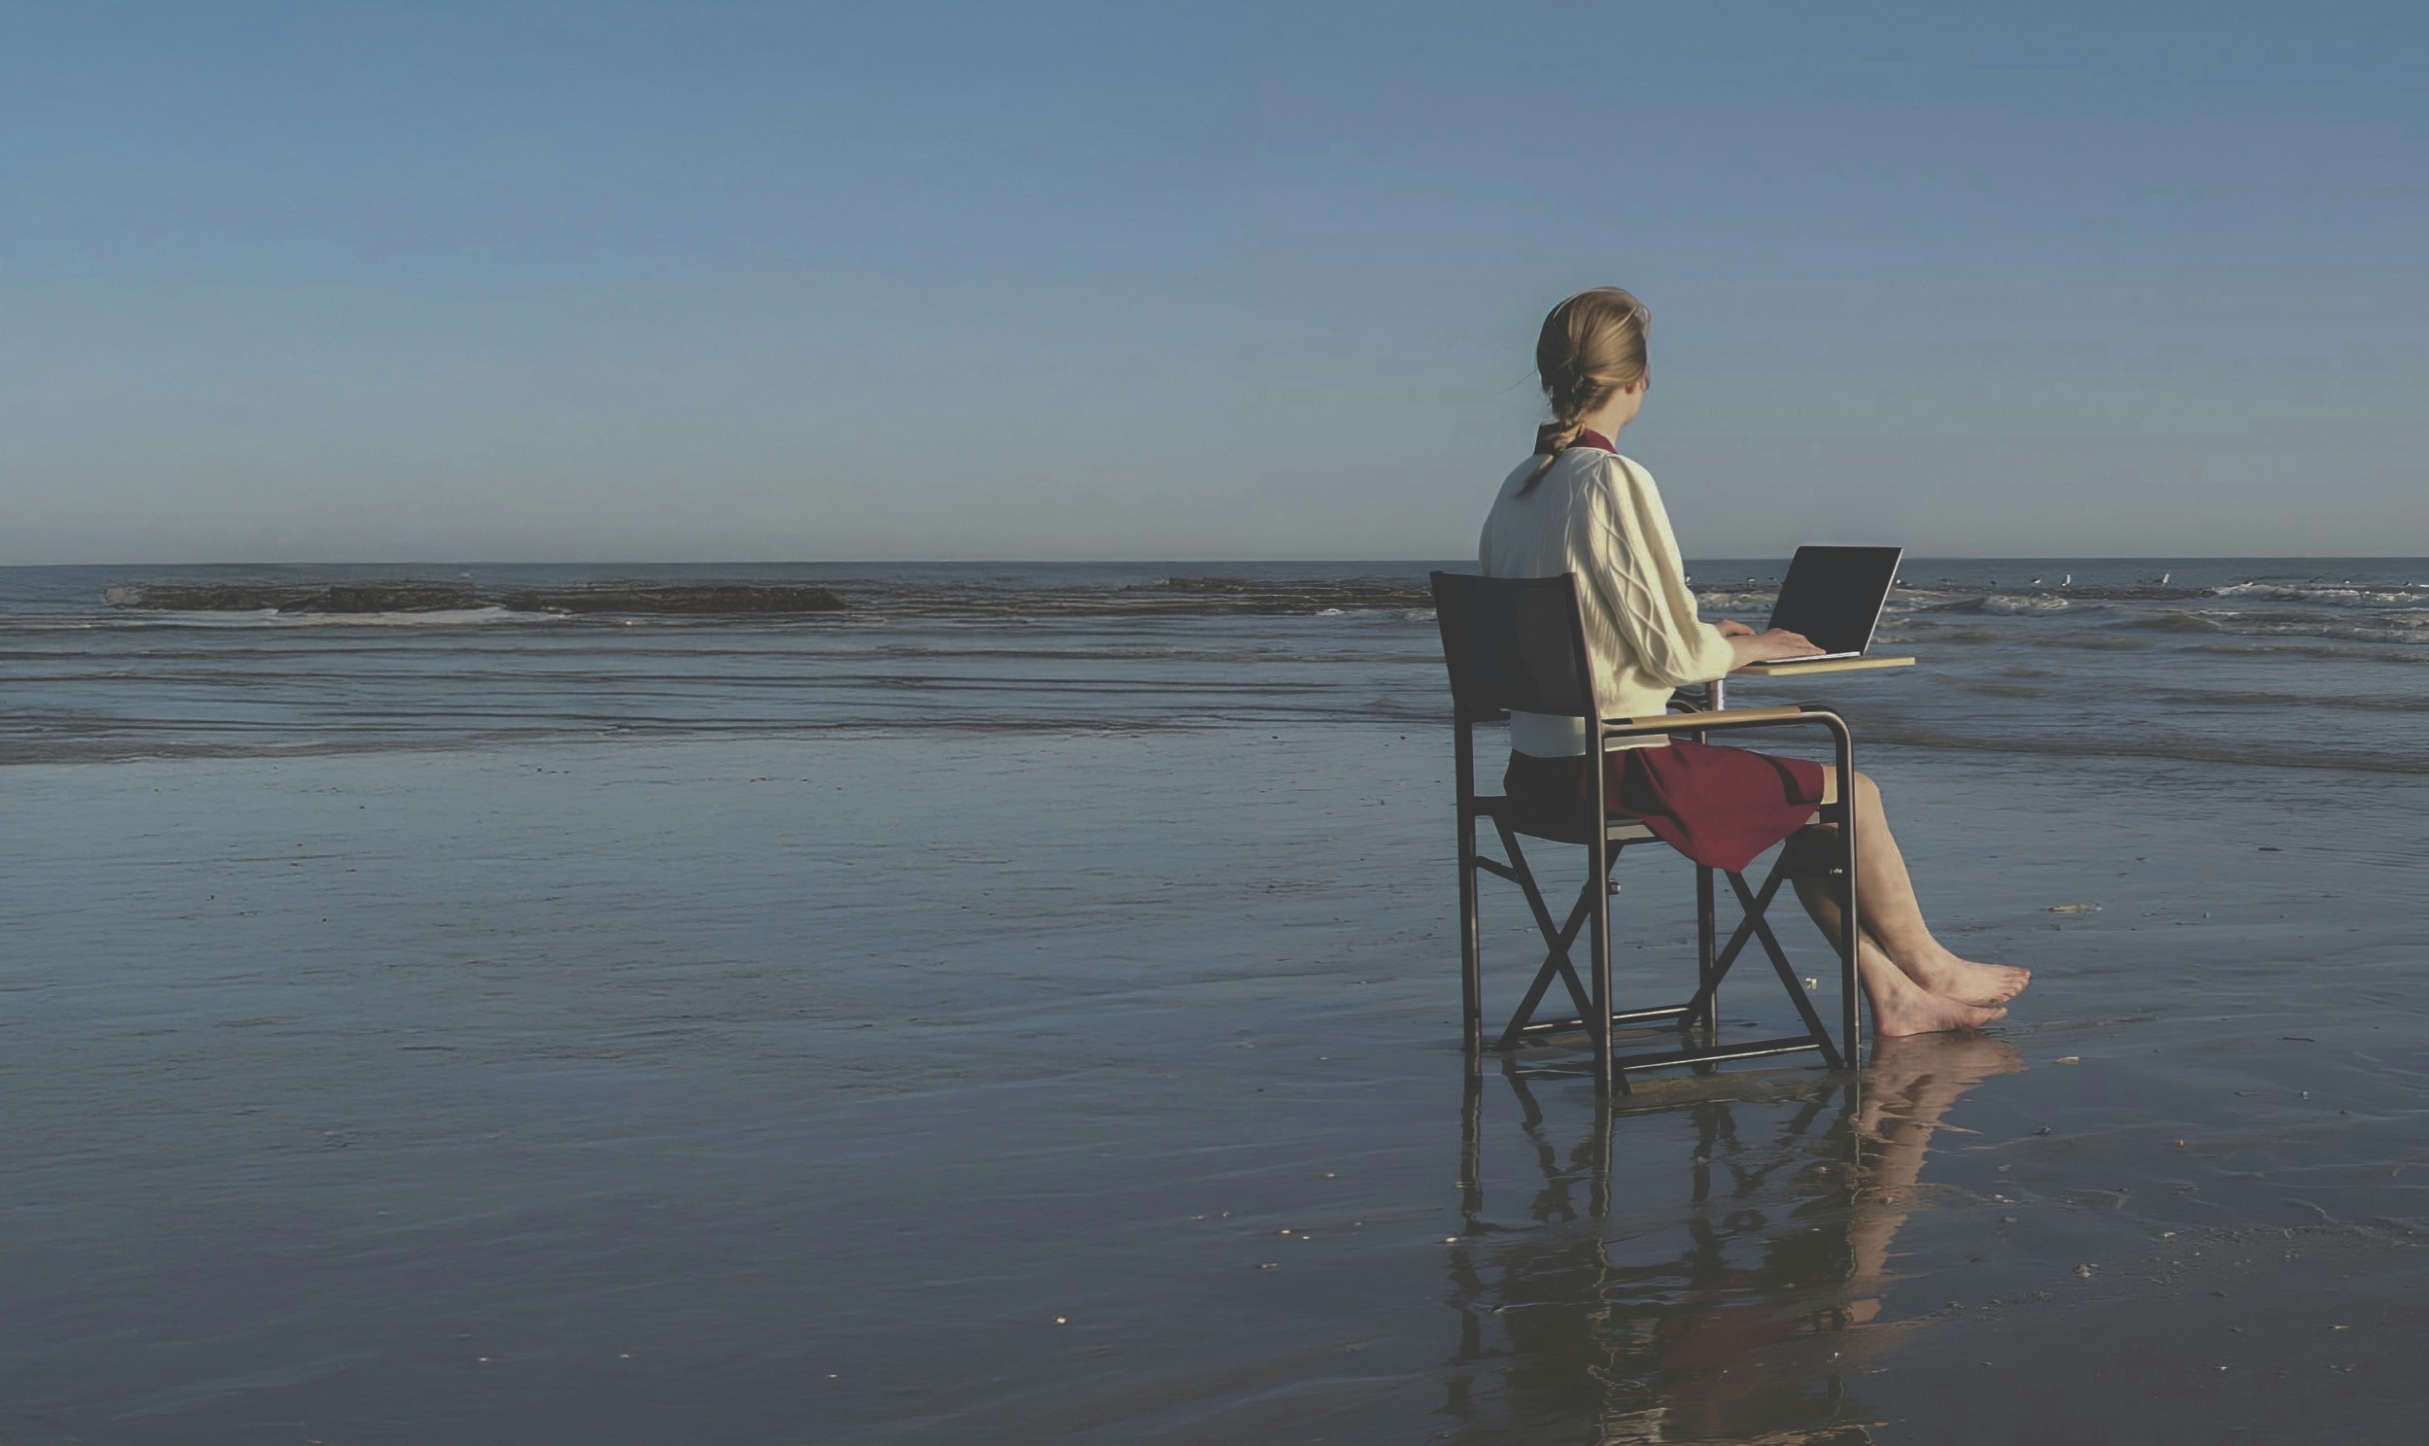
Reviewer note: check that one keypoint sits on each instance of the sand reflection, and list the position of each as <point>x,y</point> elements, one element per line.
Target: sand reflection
<point>1700,1271</point>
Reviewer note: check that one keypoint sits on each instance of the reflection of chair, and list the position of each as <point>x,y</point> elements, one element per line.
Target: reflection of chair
<point>1593,1312</point>
<point>1518,644</point>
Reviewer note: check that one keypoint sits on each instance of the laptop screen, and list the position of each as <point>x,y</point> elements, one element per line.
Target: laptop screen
<point>1834,595</point>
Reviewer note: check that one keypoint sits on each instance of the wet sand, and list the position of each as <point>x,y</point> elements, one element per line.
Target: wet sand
<point>1020,1086</point>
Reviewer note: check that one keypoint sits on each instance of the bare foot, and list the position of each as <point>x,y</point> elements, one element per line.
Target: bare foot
<point>1966,982</point>
<point>1909,1009</point>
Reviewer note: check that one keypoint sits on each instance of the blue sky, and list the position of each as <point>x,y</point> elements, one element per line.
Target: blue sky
<point>290,282</point>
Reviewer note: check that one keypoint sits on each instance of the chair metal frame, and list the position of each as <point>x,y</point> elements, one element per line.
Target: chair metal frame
<point>1518,644</point>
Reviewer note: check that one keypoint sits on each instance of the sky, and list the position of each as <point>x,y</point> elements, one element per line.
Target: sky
<point>703,281</point>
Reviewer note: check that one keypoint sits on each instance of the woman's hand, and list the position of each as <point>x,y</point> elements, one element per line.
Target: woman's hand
<point>1730,629</point>
<point>1775,645</point>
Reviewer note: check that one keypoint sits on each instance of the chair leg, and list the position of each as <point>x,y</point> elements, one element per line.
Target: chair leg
<point>1557,940</point>
<point>1850,937</point>
<point>1787,973</point>
<point>1556,965</point>
<point>1553,968</point>
<point>1703,1003</point>
<point>1471,939</point>
<point>1707,932</point>
<point>1606,1074</point>
<point>1471,1144</point>
<point>1756,927</point>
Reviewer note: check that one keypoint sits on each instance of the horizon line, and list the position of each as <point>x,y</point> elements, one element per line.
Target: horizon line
<point>1203,561</point>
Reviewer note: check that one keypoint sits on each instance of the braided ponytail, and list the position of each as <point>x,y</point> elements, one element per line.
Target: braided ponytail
<point>1592,345</point>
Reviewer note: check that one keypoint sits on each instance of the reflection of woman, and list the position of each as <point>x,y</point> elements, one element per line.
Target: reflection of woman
<point>1911,1084</point>
<point>1749,1326</point>
<point>1711,1346</point>
<point>1577,506</point>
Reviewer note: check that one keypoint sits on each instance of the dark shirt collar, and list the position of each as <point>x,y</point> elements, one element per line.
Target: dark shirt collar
<point>1593,439</point>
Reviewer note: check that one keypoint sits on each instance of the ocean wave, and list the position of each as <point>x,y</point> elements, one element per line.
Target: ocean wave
<point>2371,630</point>
<point>2094,642</point>
<point>125,745</point>
<point>1320,597</point>
<point>360,600</point>
<point>167,622</point>
<point>2334,760</point>
<point>1998,604</point>
<point>274,598</point>
<point>874,598</point>
<point>2244,698</point>
<point>1741,600</point>
<point>2354,633</point>
<point>2183,620</point>
<point>2279,622</point>
<point>743,598</point>
<point>437,618</point>
<point>2066,592</point>
<point>2329,595</point>
<point>2315,650</point>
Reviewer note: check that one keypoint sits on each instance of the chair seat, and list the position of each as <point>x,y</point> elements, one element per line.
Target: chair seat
<point>1533,824</point>
<point>1566,826</point>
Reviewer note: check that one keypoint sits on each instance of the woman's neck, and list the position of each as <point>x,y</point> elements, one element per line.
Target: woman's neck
<point>1614,414</point>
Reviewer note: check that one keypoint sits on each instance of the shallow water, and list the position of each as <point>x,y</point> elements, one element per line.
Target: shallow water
<point>556,1031</point>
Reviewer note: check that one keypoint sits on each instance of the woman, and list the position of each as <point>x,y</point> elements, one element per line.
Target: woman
<point>1578,506</point>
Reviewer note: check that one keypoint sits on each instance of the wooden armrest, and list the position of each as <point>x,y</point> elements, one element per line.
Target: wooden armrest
<point>1689,722</point>
<point>1791,668</point>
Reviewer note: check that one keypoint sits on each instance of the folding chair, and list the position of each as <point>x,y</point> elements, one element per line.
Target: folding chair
<point>1519,644</point>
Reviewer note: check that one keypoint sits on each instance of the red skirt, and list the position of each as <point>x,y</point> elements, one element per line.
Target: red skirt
<point>1719,806</point>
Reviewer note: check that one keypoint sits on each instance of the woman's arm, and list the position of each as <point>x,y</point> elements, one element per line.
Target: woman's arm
<point>1646,586</point>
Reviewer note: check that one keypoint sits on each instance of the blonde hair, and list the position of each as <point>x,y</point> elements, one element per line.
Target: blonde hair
<point>1592,345</point>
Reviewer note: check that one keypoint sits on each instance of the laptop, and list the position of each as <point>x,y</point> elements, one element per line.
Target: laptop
<point>1834,595</point>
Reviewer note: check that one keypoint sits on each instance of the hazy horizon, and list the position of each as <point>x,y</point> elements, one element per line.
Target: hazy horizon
<point>1197,281</point>
<point>1692,560</point>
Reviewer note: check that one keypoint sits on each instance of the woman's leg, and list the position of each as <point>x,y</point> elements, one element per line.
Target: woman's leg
<point>1893,919</point>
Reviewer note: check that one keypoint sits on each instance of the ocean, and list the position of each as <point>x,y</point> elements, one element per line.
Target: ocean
<point>1008,1003</point>
<point>2292,662</point>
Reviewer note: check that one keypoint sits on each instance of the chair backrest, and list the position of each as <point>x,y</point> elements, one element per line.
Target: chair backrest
<point>1513,643</point>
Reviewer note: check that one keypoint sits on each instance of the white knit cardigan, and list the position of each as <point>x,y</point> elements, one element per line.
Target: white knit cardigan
<point>1597,514</point>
